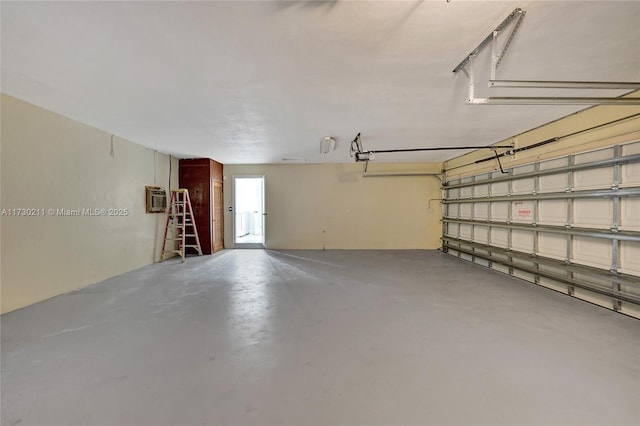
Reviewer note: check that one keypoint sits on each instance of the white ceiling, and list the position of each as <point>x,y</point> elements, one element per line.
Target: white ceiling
<point>256,82</point>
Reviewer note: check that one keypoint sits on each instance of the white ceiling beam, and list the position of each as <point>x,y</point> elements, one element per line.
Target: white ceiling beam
<point>539,100</point>
<point>538,84</point>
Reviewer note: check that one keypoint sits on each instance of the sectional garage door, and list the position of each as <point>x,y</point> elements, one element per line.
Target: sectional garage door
<point>571,224</point>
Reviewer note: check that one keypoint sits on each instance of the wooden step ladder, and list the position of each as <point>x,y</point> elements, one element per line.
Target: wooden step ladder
<point>180,220</point>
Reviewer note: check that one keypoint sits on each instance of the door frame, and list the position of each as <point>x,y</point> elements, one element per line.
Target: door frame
<point>214,219</point>
<point>233,211</point>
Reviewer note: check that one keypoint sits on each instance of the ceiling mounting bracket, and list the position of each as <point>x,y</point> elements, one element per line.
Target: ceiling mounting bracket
<point>496,59</point>
<point>516,14</point>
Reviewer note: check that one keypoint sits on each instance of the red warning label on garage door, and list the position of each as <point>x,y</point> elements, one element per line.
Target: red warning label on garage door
<point>522,210</point>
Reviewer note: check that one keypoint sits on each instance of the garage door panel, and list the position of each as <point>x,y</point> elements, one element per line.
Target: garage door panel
<point>527,168</point>
<point>552,245</point>
<point>522,211</point>
<point>466,191</point>
<point>631,149</point>
<point>630,214</point>
<point>629,257</point>
<point>588,211</point>
<point>554,164</point>
<point>553,183</point>
<point>481,234</point>
<point>596,282</point>
<point>592,252</point>
<point>500,188</point>
<point>523,186</point>
<point>553,284</point>
<point>593,297</point>
<point>453,210</point>
<point>522,241</point>
<point>481,211</point>
<point>594,178</point>
<point>591,213</point>
<point>500,237</point>
<point>630,174</point>
<point>597,155</point>
<point>524,263</point>
<point>523,275</point>
<point>466,257</point>
<point>482,262</point>
<point>481,190</point>
<point>633,290</point>
<point>552,212</point>
<point>453,193</point>
<point>465,210</point>
<point>500,211</point>
<point>500,267</point>
<point>553,270</point>
<point>631,310</point>
<point>465,231</point>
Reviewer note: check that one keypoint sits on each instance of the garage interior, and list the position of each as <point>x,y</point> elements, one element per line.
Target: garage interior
<point>442,226</point>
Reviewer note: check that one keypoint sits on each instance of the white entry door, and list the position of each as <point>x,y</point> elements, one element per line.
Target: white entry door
<point>249,215</point>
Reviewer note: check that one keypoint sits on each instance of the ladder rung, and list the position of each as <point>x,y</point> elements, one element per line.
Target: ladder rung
<point>180,217</point>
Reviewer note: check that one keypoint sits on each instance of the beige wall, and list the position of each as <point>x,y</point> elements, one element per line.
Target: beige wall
<point>313,206</point>
<point>49,161</point>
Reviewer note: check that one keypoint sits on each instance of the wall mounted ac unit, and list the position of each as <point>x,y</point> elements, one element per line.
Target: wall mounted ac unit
<point>156,199</point>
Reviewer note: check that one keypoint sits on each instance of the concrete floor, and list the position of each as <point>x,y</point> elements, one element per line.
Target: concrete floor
<point>318,338</point>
